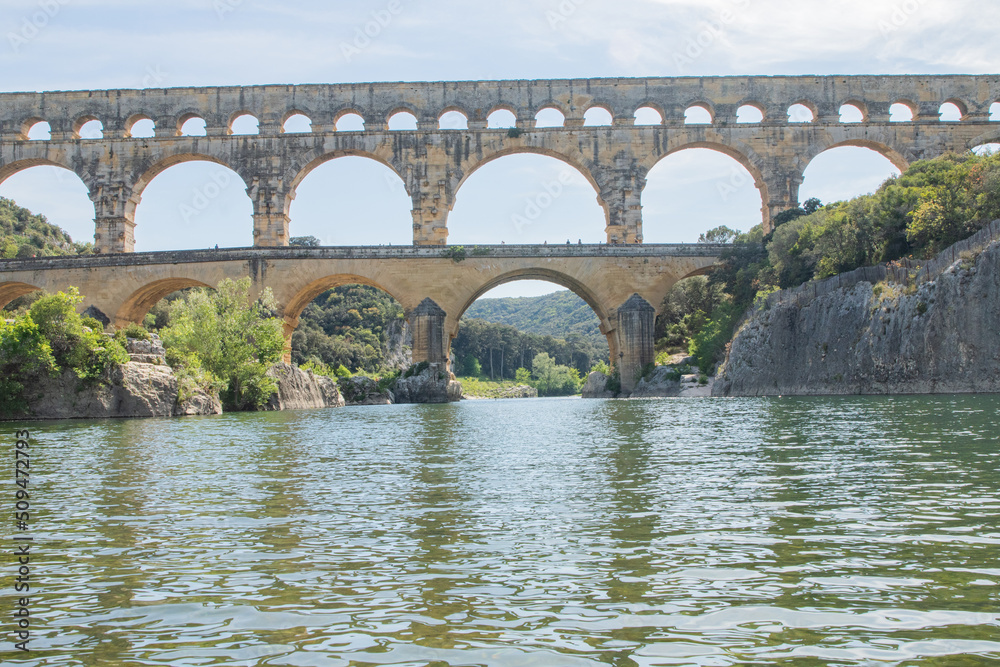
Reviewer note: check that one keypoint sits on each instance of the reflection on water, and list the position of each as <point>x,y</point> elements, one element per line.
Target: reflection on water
<point>539,532</point>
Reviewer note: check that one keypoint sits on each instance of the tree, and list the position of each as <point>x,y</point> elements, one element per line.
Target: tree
<point>553,379</point>
<point>720,234</point>
<point>305,241</point>
<point>231,336</point>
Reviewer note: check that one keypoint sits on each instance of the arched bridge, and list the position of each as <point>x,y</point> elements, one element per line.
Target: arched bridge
<point>623,284</point>
<point>433,162</point>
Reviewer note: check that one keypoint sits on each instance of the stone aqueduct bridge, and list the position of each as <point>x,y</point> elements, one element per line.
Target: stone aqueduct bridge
<point>619,282</point>
<point>433,163</point>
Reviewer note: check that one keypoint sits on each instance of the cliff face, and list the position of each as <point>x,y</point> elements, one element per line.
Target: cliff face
<point>302,390</point>
<point>432,385</point>
<point>940,337</point>
<point>144,387</point>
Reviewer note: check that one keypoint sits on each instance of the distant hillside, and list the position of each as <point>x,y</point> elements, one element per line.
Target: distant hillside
<point>24,234</point>
<point>559,315</point>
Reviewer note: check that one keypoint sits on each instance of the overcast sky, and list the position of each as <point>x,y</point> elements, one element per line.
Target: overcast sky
<point>90,44</point>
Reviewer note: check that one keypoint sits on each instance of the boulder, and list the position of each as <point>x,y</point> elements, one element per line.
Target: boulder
<point>596,386</point>
<point>302,390</point>
<point>362,390</point>
<point>432,384</point>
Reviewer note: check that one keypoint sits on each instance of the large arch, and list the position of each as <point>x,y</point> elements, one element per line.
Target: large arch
<point>544,186</point>
<point>140,302</point>
<point>718,181</point>
<point>13,290</point>
<point>604,316</point>
<point>369,221</point>
<point>194,192</point>
<point>848,169</point>
<point>49,188</point>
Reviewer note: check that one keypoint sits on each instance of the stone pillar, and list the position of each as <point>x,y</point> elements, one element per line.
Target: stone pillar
<point>428,183</point>
<point>270,211</point>
<point>621,190</point>
<point>114,217</point>
<point>783,194</point>
<point>636,320</point>
<point>427,324</point>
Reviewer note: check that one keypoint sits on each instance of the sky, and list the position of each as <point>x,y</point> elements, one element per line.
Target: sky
<point>95,44</point>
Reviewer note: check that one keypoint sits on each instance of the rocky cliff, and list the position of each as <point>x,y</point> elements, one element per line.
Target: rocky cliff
<point>432,384</point>
<point>144,387</point>
<point>302,390</point>
<point>938,336</point>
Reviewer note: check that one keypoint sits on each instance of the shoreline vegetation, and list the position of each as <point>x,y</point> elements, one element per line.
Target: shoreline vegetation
<point>218,342</point>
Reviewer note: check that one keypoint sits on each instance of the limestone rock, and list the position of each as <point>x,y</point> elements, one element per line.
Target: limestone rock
<point>595,386</point>
<point>941,338</point>
<point>658,384</point>
<point>361,390</point>
<point>434,384</point>
<point>302,390</point>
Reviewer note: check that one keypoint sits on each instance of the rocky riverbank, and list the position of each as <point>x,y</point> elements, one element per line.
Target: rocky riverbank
<point>939,336</point>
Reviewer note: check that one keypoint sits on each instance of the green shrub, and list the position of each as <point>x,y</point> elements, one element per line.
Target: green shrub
<point>25,356</point>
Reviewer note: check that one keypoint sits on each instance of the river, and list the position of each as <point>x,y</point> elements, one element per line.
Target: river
<point>550,532</point>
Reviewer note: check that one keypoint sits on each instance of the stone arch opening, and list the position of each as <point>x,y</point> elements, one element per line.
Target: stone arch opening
<point>699,187</point>
<point>648,115</point>
<point>550,117</point>
<point>36,129</point>
<point>995,111</point>
<point>526,196</point>
<point>140,302</point>
<point>480,325</point>
<point>750,113</point>
<point>350,321</point>
<point>699,113</point>
<point>141,127</point>
<point>192,125</point>
<point>501,118</point>
<point>296,122</point>
<point>349,121</point>
<point>190,201</point>
<point>802,112</point>
<point>333,199</point>
<point>849,170</point>
<point>453,119</point>
<point>11,291</point>
<point>402,120</point>
<point>88,127</point>
<point>53,190</point>
<point>244,124</point>
<point>951,111</point>
<point>852,112</point>
<point>902,111</point>
<point>991,148</point>
<point>597,116</point>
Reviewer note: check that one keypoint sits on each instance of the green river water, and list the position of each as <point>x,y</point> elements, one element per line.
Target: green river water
<point>550,532</point>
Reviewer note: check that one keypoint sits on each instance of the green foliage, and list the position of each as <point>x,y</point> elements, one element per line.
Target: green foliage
<point>479,251</point>
<point>522,376</point>
<point>560,314</point>
<point>552,379</point>
<point>480,388</point>
<point>347,326</point>
<point>469,366</point>
<point>709,344</point>
<point>230,337</point>
<point>601,367</point>
<point>416,369</point>
<point>455,252</point>
<point>50,337</point>
<point>514,132</point>
<point>85,351</point>
<point>25,356</point>
<point>24,234</point>
<point>133,331</point>
<point>614,382</point>
<point>720,234</point>
<point>685,311</point>
<point>305,241</point>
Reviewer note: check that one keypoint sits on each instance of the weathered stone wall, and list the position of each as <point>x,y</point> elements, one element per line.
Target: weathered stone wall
<point>433,163</point>
<point>941,337</point>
